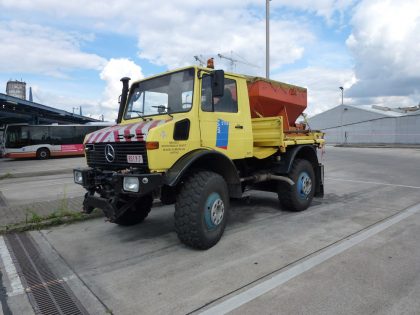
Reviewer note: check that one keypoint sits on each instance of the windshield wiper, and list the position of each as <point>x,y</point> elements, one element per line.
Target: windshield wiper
<point>139,113</point>
<point>162,109</point>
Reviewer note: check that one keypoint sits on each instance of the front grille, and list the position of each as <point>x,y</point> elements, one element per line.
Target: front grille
<point>95,155</point>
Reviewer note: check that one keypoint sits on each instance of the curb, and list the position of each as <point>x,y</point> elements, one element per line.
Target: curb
<point>43,224</point>
<point>385,146</point>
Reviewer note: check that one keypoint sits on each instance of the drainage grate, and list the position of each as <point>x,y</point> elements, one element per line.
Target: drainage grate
<point>48,295</point>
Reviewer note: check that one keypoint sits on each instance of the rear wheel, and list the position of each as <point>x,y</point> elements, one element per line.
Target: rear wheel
<point>201,210</point>
<point>136,213</point>
<point>299,196</point>
<point>43,154</point>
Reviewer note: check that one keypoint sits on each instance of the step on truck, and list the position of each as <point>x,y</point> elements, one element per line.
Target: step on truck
<point>197,137</point>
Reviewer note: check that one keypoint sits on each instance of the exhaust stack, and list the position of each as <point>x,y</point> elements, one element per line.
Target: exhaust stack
<point>123,100</point>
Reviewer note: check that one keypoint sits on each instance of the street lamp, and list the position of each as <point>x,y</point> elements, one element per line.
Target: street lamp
<point>267,39</point>
<point>342,94</point>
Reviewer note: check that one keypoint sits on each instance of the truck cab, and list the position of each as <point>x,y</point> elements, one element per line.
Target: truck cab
<point>193,138</point>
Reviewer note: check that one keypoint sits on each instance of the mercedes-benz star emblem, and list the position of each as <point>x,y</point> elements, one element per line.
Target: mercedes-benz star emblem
<point>109,153</point>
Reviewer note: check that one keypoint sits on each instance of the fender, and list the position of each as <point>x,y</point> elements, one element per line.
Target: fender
<point>307,152</point>
<point>208,160</point>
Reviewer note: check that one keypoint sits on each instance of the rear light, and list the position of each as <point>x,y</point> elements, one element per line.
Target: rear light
<point>152,145</point>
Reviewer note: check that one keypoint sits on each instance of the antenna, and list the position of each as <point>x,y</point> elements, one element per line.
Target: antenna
<point>200,60</point>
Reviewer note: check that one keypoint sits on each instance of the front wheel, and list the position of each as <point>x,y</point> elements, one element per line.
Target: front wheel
<point>299,196</point>
<point>201,210</point>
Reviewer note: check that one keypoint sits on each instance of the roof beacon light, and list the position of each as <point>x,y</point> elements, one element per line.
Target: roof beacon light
<point>210,63</point>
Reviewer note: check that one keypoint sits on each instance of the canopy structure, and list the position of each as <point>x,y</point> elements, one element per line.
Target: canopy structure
<point>16,110</point>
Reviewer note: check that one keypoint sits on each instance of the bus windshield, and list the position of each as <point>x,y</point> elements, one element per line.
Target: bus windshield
<point>16,137</point>
<point>166,94</point>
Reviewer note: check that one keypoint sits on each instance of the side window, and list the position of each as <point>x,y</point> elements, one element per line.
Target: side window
<point>39,135</point>
<point>62,135</point>
<point>206,95</point>
<point>228,103</point>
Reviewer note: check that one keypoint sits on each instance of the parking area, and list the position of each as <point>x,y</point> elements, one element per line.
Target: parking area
<point>353,252</point>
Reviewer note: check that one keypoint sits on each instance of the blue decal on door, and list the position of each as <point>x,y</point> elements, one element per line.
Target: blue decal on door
<point>222,136</point>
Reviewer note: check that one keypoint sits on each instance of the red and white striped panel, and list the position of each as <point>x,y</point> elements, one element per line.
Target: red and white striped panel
<point>116,133</point>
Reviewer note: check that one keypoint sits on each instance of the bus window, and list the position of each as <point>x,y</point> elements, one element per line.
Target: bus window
<point>39,135</point>
<point>82,131</point>
<point>62,135</point>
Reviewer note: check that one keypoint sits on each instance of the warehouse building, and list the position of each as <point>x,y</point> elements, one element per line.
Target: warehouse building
<point>366,124</point>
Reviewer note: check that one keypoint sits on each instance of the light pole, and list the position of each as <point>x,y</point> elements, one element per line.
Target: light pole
<point>342,94</point>
<point>267,39</point>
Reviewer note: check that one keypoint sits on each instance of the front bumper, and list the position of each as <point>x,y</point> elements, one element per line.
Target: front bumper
<point>91,179</point>
<point>105,189</point>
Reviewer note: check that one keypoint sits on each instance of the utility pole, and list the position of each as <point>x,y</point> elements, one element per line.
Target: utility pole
<point>267,39</point>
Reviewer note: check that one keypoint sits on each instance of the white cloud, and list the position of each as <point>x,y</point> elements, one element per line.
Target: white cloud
<point>234,31</point>
<point>173,33</point>
<point>107,105</point>
<point>386,47</point>
<point>113,71</point>
<point>30,48</point>
<point>322,84</point>
<point>127,11</point>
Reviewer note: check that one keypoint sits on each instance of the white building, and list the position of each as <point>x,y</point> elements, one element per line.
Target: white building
<point>347,124</point>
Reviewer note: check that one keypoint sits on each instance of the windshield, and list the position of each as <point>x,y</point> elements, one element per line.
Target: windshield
<point>171,93</point>
<point>17,137</point>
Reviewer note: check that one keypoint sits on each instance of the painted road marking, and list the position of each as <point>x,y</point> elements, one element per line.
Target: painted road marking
<point>15,283</point>
<point>248,295</point>
<point>375,183</point>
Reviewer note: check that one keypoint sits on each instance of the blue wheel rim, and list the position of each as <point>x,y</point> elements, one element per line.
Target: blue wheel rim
<point>304,185</point>
<point>212,203</point>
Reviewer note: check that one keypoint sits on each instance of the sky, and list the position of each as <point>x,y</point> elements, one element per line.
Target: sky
<point>73,53</point>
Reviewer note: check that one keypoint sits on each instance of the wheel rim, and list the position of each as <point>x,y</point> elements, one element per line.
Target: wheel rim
<point>214,211</point>
<point>304,185</point>
<point>43,154</point>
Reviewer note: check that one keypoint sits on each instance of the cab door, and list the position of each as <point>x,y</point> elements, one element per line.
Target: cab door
<point>225,123</point>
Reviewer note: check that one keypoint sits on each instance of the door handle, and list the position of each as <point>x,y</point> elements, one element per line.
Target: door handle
<point>239,127</point>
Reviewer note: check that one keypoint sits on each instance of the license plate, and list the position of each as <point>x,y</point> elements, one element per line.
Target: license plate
<point>134,158</point>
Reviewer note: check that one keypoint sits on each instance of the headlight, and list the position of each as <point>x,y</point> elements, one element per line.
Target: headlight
<point>78,177</point>
<point>131,184</point>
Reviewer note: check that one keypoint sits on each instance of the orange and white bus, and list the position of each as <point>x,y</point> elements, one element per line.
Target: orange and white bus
<point>45,141</point>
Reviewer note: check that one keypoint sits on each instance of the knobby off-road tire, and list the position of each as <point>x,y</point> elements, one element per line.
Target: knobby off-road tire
<point>201,210</point>
<point>136,213</point>
<point>299,196</point>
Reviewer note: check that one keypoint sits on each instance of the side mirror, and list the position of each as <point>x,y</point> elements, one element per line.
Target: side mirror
<point>218,83</point>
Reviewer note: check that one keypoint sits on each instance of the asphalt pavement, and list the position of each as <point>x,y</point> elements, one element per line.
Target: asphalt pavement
<point>353,252</point>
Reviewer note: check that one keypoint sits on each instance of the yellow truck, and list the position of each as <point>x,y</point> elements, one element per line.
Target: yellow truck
<point>197,137</point>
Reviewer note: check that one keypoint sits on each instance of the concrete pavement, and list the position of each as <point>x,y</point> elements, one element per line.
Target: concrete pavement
<point>31,167</point>
<point>145,270</point>
<point>34,187</point>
